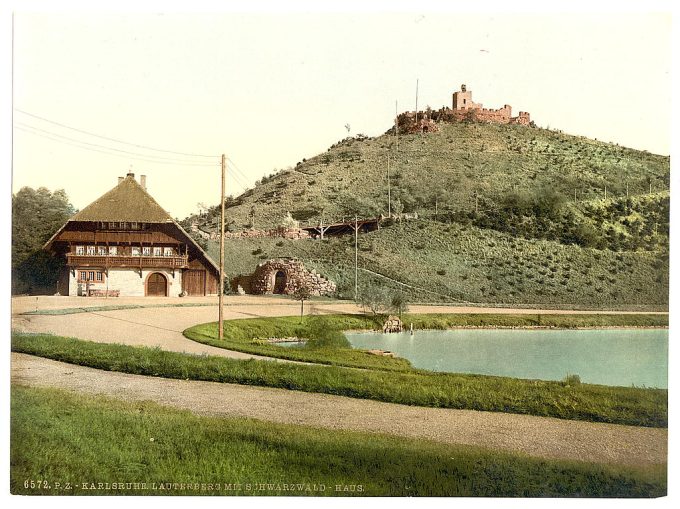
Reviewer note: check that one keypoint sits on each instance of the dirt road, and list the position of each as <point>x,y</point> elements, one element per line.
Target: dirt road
<point>536,436</point>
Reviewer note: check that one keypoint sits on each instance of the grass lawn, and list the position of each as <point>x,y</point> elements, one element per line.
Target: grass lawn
<point>598,403</point>
<point>80,441</point>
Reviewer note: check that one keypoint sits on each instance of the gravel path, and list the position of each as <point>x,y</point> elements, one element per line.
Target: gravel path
<point>536,436</point>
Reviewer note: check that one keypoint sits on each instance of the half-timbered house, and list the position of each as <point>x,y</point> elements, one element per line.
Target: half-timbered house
<point>125,244</point>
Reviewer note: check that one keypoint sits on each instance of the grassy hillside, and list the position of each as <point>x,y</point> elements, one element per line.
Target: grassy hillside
<point>448,263</point>
<point>459,166</point>
<point>508,215</point>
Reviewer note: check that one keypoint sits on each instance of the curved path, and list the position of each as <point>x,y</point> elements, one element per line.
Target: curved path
<point>535,436</point>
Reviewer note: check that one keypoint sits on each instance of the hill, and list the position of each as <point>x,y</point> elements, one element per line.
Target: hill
<point>452,166</point>
<point>507,214</point>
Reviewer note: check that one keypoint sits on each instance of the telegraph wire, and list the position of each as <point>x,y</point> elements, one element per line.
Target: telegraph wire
<point>49,137</point>
<point>148,156</point>
<point>112,139</point>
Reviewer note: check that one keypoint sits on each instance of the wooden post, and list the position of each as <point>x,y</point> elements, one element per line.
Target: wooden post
<point>389,189</point>
<point>220,288</point>
<point>356,257</point>
<point>396,122</point>
<point>416,102</point>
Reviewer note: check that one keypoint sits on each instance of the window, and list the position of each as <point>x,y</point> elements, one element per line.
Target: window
<point>167,251</point>
<point>123,225</point>
<point>112,225</point>
<point>90,250</point>
<point>80,250</point>
<point>146,251</point>
<point>101,250</point>
<point>113,250</point>
<point>157,251</point>
<point>134,225</point>
<point>90,276</point>
<point>136,251</point>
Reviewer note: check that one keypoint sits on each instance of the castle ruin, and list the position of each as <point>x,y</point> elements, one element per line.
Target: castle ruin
<point>463,109</point>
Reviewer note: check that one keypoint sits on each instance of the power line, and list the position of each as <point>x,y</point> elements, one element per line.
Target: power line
<point>112,139</point>
<point>148,156</point>
<point>237,169</point>
<point>49,137</point>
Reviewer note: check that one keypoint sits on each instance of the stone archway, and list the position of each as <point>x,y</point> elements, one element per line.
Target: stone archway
<point>279,283</point>
<point>285,276</point>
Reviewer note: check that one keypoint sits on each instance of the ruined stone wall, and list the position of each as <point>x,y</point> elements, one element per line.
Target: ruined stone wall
<point>284,233</point>
<point>296,275</point>
<point>427,120</point>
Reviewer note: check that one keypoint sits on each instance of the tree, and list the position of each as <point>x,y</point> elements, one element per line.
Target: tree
<point>37,214</point>
<point>375,298</point>
<point>302,293</point>
<point>399,303</point>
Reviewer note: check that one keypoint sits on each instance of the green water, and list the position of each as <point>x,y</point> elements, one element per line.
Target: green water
<point>604,356</point>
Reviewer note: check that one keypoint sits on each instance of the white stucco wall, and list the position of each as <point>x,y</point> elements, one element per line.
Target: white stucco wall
<point>128,282</point>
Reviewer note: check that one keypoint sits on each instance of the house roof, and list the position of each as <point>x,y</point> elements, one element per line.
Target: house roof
<point>128,201</point>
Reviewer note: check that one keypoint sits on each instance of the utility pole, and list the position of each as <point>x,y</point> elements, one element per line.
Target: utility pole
<point>356,257</point>
<point>396,122</point>
<point>389,189</point>
<point>416,102</point>
<point>221,286</point>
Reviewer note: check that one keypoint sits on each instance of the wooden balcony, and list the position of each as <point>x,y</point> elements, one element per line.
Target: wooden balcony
<point>166,262</point>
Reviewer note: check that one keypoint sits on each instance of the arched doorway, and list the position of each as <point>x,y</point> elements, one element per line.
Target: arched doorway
<point>156,285</point>
<point>279,282</point>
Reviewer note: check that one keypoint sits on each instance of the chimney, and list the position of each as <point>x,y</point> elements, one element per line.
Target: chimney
<point>142,181</point>
<point>130,174</point>
<point>120,179</point>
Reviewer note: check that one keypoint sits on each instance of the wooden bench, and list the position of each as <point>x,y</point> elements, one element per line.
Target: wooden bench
<point>104,293</point>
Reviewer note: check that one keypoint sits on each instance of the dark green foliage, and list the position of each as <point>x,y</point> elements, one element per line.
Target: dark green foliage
<point>56,435</point>
<point>37,214</point>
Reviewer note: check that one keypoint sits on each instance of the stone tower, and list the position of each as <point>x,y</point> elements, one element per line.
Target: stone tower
<point>463,100</point>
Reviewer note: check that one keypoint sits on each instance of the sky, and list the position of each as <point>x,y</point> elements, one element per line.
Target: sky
<point>270,88</point>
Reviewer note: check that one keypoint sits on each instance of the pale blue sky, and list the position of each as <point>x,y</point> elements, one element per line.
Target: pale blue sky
<point>269,89</point>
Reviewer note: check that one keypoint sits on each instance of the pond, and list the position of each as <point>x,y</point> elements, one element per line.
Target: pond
<point>621,357</point>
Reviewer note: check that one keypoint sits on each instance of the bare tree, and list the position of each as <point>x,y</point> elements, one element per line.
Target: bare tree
<point>302,293</point>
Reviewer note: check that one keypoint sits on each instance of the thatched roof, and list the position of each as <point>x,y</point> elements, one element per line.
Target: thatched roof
<point>128,201</point>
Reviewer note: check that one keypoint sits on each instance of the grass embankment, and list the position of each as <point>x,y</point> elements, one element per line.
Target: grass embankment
<point>249,335</point>
<point>57,437</point>
<point>621,405</point>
